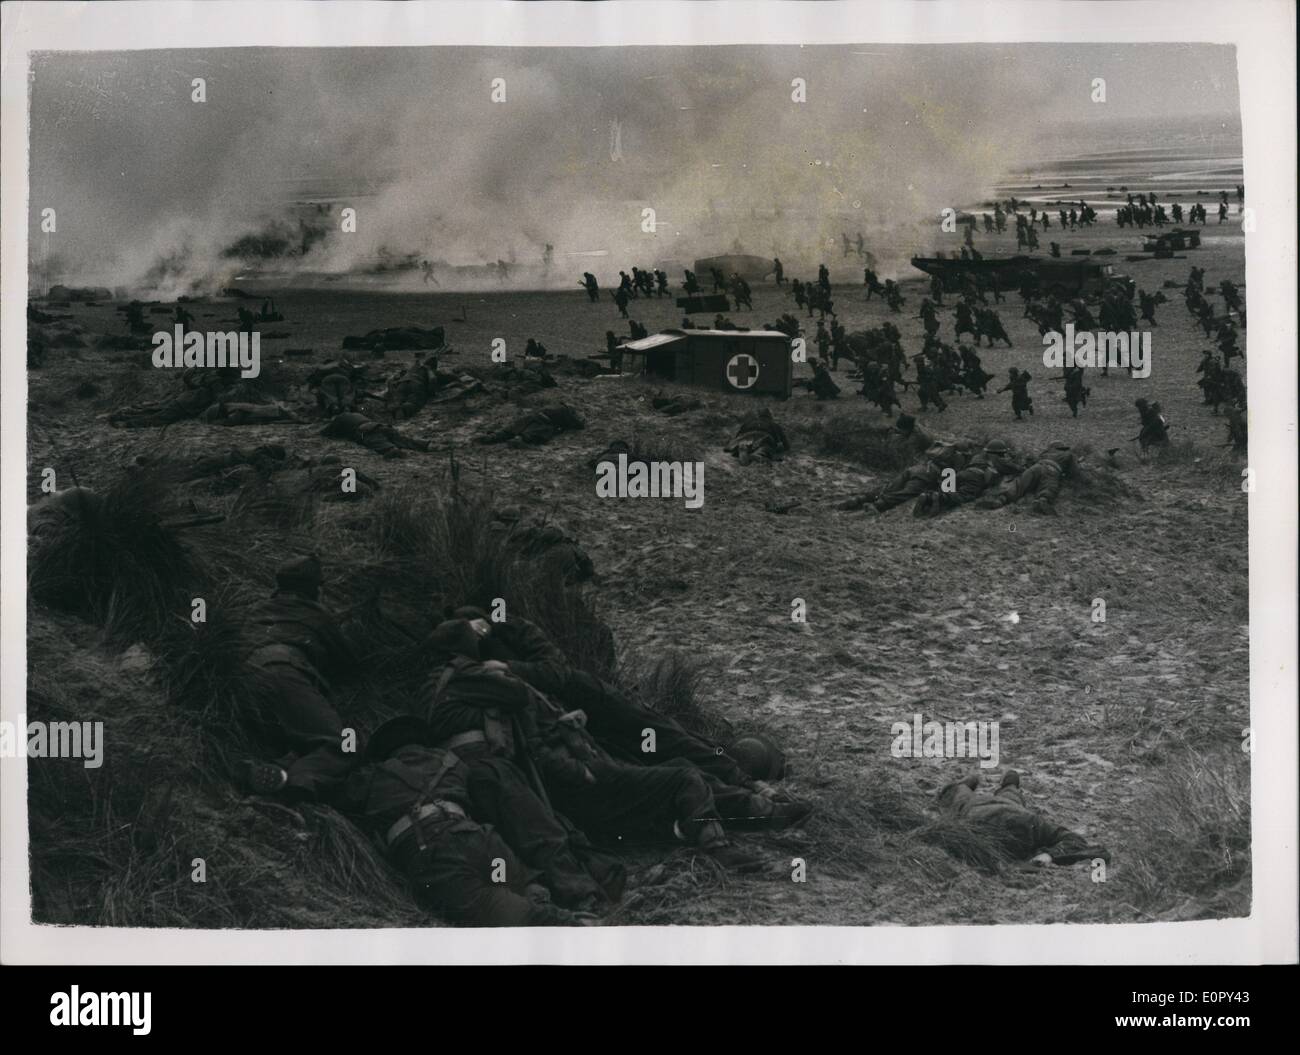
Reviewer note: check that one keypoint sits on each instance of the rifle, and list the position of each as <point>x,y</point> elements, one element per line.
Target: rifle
<point>529,766</point>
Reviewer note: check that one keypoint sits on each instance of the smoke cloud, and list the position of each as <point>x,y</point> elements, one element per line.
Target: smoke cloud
<point>162,195</point>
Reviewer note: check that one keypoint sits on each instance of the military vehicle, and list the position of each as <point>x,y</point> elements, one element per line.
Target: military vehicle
<point>1064,278</point>
<point>1166,243</point>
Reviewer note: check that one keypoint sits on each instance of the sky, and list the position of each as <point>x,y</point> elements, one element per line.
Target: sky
<point>710,138</point>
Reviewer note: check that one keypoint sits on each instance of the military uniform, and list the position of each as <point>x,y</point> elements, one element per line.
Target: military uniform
<point>908,484</point>
<point>1042,480</point>
<point>375,435</point>
<point>823,385</point>
<point>476,708</point>
<point>1021,401</point>
<point>536,427</point>
<point>1209,384</point>
<point>1155,429</point>
<point>1075,393</point>
<point>295,646</point>
<point>548,542</point>
<point>224,413</point>
<point>484,720</point>
<point>989,325</point>
<point>419,801</point>
<point>966,322</point>
<point>1237,432</point>
<point>928,385</point>
<point>335,393</point>
<point>758,435</point>
<point>264,459</point>
<point>974,376</point>
<point>987,469</point>
<point>823,340</point>
<point>413,389</point>
<point>189,404</point>
<point>1017,830</point>
<point>619,724</point>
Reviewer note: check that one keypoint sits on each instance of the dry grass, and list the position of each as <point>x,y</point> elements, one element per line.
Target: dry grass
<point>117,845</point>
<point>893,611</point>
<point>671,685</point>
<point>855,437</point>
<point>1194,846</point>
<point>116,562</point>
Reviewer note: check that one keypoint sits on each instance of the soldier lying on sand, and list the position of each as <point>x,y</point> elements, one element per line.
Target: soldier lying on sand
<point>758,436</point>
<point>296,647</point>
<point>621,725</point>
<point>483,706</point>
<point>1021,832</point>
<point>417,799</point>
<point>1042,480</point>
<point>536,427</point>
<point>201,390</point>
<point>378,437</point>
<point>224,413</point>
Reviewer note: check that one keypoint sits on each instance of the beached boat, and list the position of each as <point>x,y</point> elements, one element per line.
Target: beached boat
<point>1169,242</point>
<point>1064,278</point>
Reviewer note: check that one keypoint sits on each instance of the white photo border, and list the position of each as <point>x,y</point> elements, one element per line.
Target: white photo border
<point>1264,33</point>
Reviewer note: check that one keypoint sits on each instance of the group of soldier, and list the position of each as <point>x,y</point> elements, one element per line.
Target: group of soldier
<point>630,287</point>
<point>654,283</point>
<point>509,760</point>
<point>1082,215</point>
<point>940,369</point>
<point>1145,212</point>
<point>489,793</point>
<point>813,296</point>
<point>513,781</point>
<point>1220,383</point>
<point>217,396</point>
<point>962,472</point>
<point>340,386</point>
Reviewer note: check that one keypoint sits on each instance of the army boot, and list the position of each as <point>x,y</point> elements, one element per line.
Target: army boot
<point>713,841</point>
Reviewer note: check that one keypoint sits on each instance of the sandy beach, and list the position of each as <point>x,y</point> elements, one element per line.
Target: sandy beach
<point>982,615</point>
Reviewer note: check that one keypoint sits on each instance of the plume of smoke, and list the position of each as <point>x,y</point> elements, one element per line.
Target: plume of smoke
<point>585,140</point>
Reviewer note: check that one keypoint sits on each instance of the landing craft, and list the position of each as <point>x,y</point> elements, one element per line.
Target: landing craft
<point>1063,278</point>
<point>1167,243</point>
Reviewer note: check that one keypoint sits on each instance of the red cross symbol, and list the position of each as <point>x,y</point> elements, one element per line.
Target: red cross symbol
<point>742,370</point>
